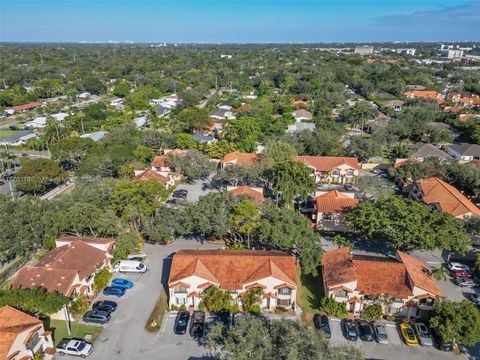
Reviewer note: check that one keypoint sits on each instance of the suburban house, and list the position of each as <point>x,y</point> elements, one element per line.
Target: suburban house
<point>256,193</point>
<point>330,208</point>
<point>159,164</point>
<point>443,197</point>
<point>426,95</point>
<point>423,151</point>
<point>235,271</point>
<point>221,114</point>
<point>163,111</point>
<point>331,169</point>
<point>26,107</point>
<point>395,105</point>
<point>150,174</point>
<point>226,105</point>
<point>240,159</point>
<point>467,117</point>
<point>301,114</point>
<point>95,136</point>
<point>401,284</point>
<point>203,139</point>
<point>68,269</point>
<point>299,127</point>
<point>464,151</point>
<point>22,336</point>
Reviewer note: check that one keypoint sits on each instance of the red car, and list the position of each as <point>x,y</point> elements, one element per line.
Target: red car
<point>462,274</point>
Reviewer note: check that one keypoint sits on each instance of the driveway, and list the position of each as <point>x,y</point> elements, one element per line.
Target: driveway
<point>124,336</point>
<point>197,189</point>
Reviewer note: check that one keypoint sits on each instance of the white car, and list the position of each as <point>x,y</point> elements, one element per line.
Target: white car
<point>455,266</point>
<point>74,347</point>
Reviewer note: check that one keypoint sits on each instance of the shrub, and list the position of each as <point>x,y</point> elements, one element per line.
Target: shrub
<point>102,278</point>
<point>372,313</point>
<point>183,307</point>
<point>173,307</point>
<point>251,300</point>
<point>79,305</point>
<point>333,308</point>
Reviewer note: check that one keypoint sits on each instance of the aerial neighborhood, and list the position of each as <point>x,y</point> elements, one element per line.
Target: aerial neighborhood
<point>187,201</point>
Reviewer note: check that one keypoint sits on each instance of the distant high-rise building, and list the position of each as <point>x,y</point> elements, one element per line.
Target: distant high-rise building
<point>364,50</point>
<point>410,51</point>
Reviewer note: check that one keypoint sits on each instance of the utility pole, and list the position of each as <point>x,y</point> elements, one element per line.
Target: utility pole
<point>174,87</point>
<point>74,58</point>
<point>216,83</point>
<point>4,85</point>
<point>41,59</point>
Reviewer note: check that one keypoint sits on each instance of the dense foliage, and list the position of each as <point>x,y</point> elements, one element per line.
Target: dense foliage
<point>34,300</point>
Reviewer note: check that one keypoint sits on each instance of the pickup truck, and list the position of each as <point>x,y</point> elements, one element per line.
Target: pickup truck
<point>74,347</point>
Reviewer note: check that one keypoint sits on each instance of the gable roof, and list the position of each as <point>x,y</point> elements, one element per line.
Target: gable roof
<point>240,159</point>
<point>338,267</point>
<point>448,198</point>
<point>420,274</point>
<point>466,149</point>
<point>247,190</point>
<point>232,269</point>
<point>425,150</point>
<point>301,113</point>
<point>28,106</point>
<point>335,201</point>
<point>327,163</point>
<point>59,280</point>
<point>87,239</point>
<point>150,175</point>
<point>12,323</point>
<point>160,160</point>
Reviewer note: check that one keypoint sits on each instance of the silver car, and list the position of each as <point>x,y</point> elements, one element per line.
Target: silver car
<point>423,334</point>
<point>381,333</point>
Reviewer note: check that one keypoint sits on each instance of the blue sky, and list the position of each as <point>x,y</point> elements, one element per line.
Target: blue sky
<point>239,21</point>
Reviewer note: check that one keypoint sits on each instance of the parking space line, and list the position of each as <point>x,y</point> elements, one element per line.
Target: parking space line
<point>164,324</point>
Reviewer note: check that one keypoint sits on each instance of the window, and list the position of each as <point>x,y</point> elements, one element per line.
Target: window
<point>341,293</point>
<point>427,301</point>
<point>283,302</point>
<point>181,301</point>
<point>370,297</point>
<point>328,217</point>
<point>233,292</point>
<point>336,172</point>
<point>394,310</point>
<point>349,172</point>
<point>180,290</point>
<point>284,291</point>
<point>33,341</point>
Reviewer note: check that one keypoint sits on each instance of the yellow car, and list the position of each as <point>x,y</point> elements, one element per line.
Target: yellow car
<point>408,334</point>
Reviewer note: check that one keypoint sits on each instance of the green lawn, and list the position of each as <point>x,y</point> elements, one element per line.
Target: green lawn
<point>5,133</point>
<point>59,329</point>
<point>309,294</point>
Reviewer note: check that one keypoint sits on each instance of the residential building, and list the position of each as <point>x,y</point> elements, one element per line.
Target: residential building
<point>301,114</point>
<point>68,269</point>
<point>395,105</point>
<point>226,105</point>
<point>467,117</point>
<point>103,244</point>
<point>84,95</point>
<point>330,209</point>
<point>221,114</point>
<point>150,174</point>
<point>256,193</point>
<point>410,51</point>
<point>464,151</point>
<point>331,169</point>
<point>203,139</point>
<point>26,107</point>
<point>402,285</point>
<point>163,111</point>
<point>442,196</point>
<point>363,50</point>
<point>22,336</point>
<point>96,136</point>
<point>235,271</point>
<point>159,164</point>
<point>425,94</point>
<point>450,53</point>
<point>240,159</point>
<point>299,127</point>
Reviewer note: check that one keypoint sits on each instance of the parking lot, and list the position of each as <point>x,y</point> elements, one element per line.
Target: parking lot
<point>397,349</point>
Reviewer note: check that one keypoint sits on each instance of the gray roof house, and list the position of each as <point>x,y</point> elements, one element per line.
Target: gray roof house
<point>464,151</point>
<point>162,111</point>
<point>299,127</point>
<point>425,151</point>
<point>203,139</point>
<point>301,114</point>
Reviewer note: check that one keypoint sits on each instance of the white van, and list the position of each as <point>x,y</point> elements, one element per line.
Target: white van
<point>132,266</point>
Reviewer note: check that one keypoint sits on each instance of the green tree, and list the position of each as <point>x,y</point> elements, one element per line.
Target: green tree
<point>101,279</point>
<point>193,164</point>
<point>126,171</point>
<point>36,176</point>
<point>70,151</point>
<point>34,300</point>
<point>456,321</point>
<point>252,299</point>
<point>79,305</point>
<point>372,313</point>
<point>185,141</point>
<point>245,218</point>
<point>218,149</point>
<point>342,241</point>
<point>215,300</point>
<point>333,308</point>
<point>193,118</point>
<point>144,153</point>
<point>122,89</point>
<point>440,273</point>
<point>290,179</point>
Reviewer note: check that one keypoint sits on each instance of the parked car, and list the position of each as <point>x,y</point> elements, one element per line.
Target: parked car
<point>75,347</point>
<point>408,334</point>
<point>350,328</point>
<point>455,266</point>
<point>96,316</point>
<point>464,282</point>
<point>123,283</point>
<point>439,343</point>
<point>365,330</point>
<point>197,324</point>
<point>381,333</point>
<point>461,274</point>
<point>237,316</point>
<point>322,323</point>
<point>475,298</point>
<point>105,305</point>
<point>114,290</point>
<point>180,194</point>
<point>423,334</point>
<point>181,322</point>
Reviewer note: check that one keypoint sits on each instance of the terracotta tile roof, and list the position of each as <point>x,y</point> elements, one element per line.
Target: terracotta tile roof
<point>12,323</point>
<point>160,160</point>
<point>247,190</point>
<point>328,163</point>
<point>425,94</point>
<point>338,267</point>
<point>467,117</point>
<point>150,175</point>
<point>453,109</point>
<point>240,159</point>
<point>87,239</point>
<point>335,202</point>
<point>28,106</point>
<point>449,199</point>
<point>232,269</point>
<point>59,280</point>
<point>420,274</point>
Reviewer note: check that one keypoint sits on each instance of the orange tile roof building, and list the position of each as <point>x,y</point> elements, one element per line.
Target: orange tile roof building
<point>331,169</point>
<point>360,280</point>
<point>236,271</point>
<point>22,335</point>
<point>28,106</point>
<point>425,94</point>
<point>150,174</point>
<point>253,192</point>
<point>240,159</point>
<point>330,208</point>
<point>160,166</point>
<point>442,196</point>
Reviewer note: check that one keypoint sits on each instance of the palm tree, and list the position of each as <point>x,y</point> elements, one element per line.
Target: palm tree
<point>440,273</point>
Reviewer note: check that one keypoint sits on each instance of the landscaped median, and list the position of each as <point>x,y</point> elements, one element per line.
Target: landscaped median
<point>310,292</point>
<point>155,319</point>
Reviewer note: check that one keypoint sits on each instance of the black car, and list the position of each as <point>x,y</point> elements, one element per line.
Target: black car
<point>96,316</point>
<point>197,324</point>
<point>181,322</point>
<point>439,343</point>
<point>365,330</point>
<point>105,305</point>
<point>180,194</point>
<point>321,323</point>
<point>351,332</point>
